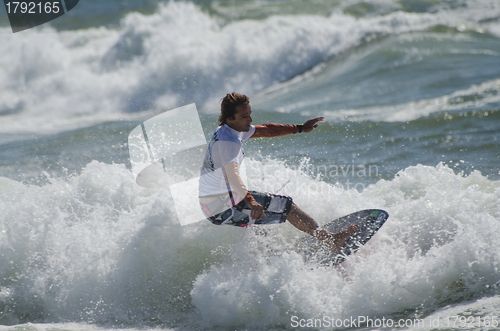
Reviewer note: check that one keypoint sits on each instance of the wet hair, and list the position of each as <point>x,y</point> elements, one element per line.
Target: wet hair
<point>229,104</point>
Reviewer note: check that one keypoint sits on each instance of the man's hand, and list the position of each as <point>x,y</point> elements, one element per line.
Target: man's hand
<point>257,211</point>
<point>311,124</point>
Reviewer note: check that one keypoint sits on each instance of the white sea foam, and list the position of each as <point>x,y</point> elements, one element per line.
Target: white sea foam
<point>437,247</point>
<point>475,314</point>
<point>96,247</point>
<point>60,81</point>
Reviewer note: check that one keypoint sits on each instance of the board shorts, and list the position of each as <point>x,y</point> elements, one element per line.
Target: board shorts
<point>222,211</point>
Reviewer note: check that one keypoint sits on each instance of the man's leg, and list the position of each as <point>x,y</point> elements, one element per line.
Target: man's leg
<point>298,218</point>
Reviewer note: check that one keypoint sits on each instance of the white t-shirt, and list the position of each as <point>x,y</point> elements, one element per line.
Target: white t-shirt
<point>225,147</point>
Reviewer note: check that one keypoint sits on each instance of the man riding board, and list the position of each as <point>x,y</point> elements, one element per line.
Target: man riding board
<point>223,196</point>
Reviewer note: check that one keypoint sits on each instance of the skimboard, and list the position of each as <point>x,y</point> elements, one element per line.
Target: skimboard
<point>368,221</point>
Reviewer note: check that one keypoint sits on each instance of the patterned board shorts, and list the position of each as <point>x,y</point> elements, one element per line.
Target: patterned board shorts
<point>222,211</point>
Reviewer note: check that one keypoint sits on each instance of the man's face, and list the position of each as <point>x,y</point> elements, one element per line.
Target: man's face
<point>242,119</point>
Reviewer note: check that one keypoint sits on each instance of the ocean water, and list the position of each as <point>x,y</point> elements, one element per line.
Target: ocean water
<point>410,92</point>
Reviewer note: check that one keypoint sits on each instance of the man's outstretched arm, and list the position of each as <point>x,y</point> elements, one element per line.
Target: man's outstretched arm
<point>276,130</point>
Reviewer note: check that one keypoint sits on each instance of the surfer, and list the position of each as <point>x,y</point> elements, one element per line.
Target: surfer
<point>223,196</point>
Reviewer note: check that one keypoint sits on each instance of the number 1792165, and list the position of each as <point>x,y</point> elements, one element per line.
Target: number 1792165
<point>23,7</point>
<point>472,321</point>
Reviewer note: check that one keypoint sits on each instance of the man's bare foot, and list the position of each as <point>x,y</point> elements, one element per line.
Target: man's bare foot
<point>336,240</point>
